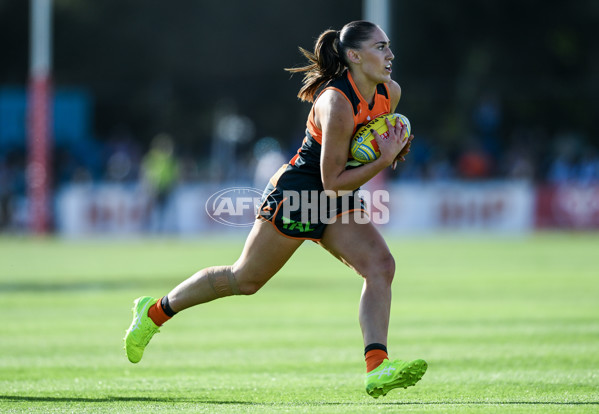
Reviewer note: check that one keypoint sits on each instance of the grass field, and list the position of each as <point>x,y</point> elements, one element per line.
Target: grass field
<point>508,324</point>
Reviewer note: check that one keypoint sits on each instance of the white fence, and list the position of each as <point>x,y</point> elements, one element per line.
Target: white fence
<point>494,207</point>
<point>488,207</point>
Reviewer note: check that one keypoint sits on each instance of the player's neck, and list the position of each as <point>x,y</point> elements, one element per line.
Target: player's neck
<point>365,86</point>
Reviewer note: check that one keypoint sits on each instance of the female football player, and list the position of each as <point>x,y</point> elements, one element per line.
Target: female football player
<point>348,80</point>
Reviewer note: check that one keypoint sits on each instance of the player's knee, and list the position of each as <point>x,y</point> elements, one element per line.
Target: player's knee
<point>388,268</point>
<point>381,269</point>
<point>249,288</point>
<point>247,282</point>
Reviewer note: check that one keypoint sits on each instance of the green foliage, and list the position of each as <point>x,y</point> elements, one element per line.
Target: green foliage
<point>504,323</point>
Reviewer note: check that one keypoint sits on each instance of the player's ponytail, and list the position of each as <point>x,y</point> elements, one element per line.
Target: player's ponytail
<point>328,60</point>
<point>325,64</point>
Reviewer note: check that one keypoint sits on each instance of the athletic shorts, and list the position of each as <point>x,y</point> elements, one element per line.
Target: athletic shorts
<point>299,208</point>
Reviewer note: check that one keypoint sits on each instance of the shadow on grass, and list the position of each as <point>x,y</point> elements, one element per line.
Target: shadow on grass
<point>18,398</point>
<point>73,286</point>
<point>28,398</point>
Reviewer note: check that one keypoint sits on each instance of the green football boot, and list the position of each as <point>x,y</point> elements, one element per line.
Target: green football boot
<point>394,374</point>
<point>142,329</point>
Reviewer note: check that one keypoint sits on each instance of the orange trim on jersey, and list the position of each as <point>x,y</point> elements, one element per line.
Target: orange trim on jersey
<point>272,221</point>
<point>267,207</point>
<point>296,156</point>
<point>275,178</point>
<point>380,106</point>
<point>312,127</point>
<point>272,218</point>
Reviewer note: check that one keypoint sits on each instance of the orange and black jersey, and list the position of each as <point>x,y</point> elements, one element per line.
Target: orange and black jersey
<point>303,171</point>
<point>307,158</point>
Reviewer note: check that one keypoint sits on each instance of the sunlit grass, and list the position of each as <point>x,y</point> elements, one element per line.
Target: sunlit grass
<point>504,323</point>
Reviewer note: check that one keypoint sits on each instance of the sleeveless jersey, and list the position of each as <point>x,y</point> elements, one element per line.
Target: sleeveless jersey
<point>307,158</point>
<point>303,171</point>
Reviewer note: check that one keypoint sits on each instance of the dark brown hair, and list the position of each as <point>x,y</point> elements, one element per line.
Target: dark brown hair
<point>328,60</point>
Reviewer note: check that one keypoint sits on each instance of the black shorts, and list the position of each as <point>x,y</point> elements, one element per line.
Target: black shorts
<point>298,206</point>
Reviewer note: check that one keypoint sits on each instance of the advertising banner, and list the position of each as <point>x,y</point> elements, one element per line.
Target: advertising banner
<point>567,207</point>
<point>504,207</point>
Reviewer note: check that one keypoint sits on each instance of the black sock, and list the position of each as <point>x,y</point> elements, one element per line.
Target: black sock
<point>166,307</point>
<point>375,346</point>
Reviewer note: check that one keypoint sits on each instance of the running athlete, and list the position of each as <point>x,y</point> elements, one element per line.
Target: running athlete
<point>348,80</point>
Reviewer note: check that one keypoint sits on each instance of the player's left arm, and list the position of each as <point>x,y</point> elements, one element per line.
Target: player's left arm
<point>395,96</point>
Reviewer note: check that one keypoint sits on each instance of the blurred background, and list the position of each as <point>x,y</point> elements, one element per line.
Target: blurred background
<point>156,106</point>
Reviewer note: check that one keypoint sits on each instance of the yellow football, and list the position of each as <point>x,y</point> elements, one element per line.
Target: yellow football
<point>364,148</point>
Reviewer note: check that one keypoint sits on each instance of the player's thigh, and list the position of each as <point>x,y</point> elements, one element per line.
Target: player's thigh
<point>359,245</point>
<point>264,253</point>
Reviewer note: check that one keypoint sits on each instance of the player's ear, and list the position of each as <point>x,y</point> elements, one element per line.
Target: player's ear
<point>353,56</point>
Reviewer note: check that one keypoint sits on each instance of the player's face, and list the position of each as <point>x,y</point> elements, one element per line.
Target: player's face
<point>376,57</point>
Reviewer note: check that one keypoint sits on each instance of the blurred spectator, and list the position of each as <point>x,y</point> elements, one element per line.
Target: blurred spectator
<point>5,195</point>
<point>561,170</point>
<point>566,164</point>
<point>160,172</point>
<point>474,163</point>
<point>123,155</point>
<point>439,167</point>
<point>487,122</point>
<point>12,187</point>
<point>589,167</point>
<point>189,171</point>
<point>517,164</point>
<point>119,167</point>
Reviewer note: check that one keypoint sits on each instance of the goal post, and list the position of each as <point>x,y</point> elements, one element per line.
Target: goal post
<point>378,12</point>
<point>39,117</point>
